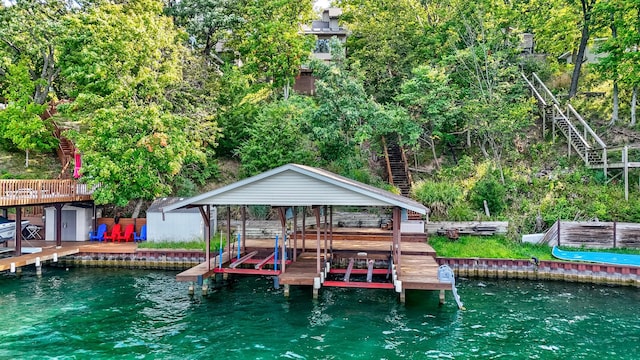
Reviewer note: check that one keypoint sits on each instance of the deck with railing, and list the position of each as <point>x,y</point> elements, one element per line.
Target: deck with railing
<point>38,192</point>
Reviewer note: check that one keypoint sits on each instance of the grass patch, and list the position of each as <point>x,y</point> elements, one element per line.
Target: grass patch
<point>489,247</point>
<point>41,165</point>
<point>183,245</point>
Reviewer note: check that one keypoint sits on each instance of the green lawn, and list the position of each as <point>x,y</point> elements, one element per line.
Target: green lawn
<point>491,247</point>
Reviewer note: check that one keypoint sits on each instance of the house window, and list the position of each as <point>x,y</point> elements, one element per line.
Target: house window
<point>322,46</point>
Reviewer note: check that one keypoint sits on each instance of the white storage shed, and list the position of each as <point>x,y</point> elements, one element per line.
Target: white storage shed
<point>178,225</point>
<point>76,222</point>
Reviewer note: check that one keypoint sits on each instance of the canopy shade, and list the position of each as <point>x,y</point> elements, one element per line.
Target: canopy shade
<point>299,185</point>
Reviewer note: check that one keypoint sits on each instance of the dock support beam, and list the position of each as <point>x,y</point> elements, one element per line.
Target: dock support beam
<point>403,296</point>
<point>441,297</point>
<point>18,233</point>
<point>38,267</point>
<point>205,287</point>
<point>316,287</point>
<point>286,290</point>
<point>192,288</point>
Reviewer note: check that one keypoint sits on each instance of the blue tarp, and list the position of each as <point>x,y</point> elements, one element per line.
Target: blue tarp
<point>597,257</point>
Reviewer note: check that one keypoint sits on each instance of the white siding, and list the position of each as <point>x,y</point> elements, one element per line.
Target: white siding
<point>83,222</point>
<point>292,189</point>
<point>177,226</point>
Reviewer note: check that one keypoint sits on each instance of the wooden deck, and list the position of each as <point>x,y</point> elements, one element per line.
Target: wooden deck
<point>40,192</point>
<point>202,271</point>
<point>45,255</point>
<point>420,272</point>
<point>302,271</point>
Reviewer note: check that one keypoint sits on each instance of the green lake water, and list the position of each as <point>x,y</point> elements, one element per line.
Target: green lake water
<point>124,314</point>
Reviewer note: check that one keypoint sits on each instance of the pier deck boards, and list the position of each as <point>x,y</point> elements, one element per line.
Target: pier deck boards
<point>201,271</point>
<point>44,255</point>
<point>302,271</point>
<point>420,272</point>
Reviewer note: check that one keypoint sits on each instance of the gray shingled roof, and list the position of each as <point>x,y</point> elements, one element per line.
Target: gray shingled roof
<point>351,192</point>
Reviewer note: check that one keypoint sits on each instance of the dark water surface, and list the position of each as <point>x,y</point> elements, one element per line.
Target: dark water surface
<point>123,314</point>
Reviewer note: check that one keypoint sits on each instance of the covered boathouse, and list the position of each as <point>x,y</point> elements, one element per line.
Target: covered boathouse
<point>315,253</point>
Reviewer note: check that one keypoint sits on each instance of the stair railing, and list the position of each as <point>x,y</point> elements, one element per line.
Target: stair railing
<point>574,138</point>
<point>386,159</point>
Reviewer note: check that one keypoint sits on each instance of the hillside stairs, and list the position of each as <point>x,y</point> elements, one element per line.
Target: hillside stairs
<point>397,168</point>
<point>66,149</point>
<point>580,137</point>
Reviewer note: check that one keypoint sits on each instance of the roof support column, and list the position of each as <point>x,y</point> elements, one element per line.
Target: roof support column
<point>228,232</point>
<point>283,223</point>
<point>295,232</point>
<point>316,211</point>
<point>244,229</point>
<point>326,230</point>
<point>206,218</point>
<point>58,207</point>
<point>396,236</point>
<point>304,219</point>
<point>331,230</point>
<point>18,235</point>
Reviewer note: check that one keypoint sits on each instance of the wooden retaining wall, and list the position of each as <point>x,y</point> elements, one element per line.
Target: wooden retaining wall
<point>468,227</point>
<point>593,234</point>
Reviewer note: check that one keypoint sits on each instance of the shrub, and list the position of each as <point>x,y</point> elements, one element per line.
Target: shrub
<point>490,189</point>
<point>439,196</point>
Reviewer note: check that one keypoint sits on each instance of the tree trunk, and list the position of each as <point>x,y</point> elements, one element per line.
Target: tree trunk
<point>584,38</point>
<point>634,101</point>
<point>136,210</point>
<point>616,101</point>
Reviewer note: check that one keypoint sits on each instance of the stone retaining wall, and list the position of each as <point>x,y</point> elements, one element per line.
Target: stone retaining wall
<point>544,270</point>
<point>463,267</point>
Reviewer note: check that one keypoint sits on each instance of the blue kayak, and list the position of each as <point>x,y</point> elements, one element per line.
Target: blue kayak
<point>597,257</point>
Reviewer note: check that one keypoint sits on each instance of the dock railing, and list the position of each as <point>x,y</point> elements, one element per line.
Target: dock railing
<point>30,192</point>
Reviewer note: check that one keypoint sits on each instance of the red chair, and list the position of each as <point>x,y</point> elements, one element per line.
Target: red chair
<point>129,230</point>
<point>115,234</point>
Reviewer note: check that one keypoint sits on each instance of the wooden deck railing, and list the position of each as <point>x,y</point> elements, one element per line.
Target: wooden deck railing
<point>31,192</point>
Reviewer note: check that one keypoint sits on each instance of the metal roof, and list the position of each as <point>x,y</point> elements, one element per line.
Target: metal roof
<point>299,185</point>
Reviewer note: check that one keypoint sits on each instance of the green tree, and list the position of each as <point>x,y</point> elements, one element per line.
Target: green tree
<point>30,32</point>
<point>433,102</point>
<point>275,137</point>
<point>206,21</point>
<point>20,122</point>
<point>120,70</point>
<point>388,39</point>
<point>270,43</point>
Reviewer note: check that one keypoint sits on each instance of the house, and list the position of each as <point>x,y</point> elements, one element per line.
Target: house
<point>323,30</point>
<point>179,225</point>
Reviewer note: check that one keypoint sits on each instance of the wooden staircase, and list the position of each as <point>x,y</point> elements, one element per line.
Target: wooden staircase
<point>66,149</point>
<point>397,167</point>
<point>581,139</point>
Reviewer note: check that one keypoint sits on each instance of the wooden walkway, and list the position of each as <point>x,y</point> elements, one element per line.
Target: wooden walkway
<point>46,254</point>
<point>302,271</point>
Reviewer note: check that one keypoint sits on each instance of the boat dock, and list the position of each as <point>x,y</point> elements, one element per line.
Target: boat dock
<point>356,258</point>
<point>14,264</point>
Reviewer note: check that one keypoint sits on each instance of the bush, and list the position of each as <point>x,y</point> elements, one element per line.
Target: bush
<point>439,196</point>
<point>490,189</point>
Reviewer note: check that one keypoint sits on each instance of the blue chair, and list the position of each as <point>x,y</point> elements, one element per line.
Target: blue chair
<point>98,235</point>
<point>142,236</point>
